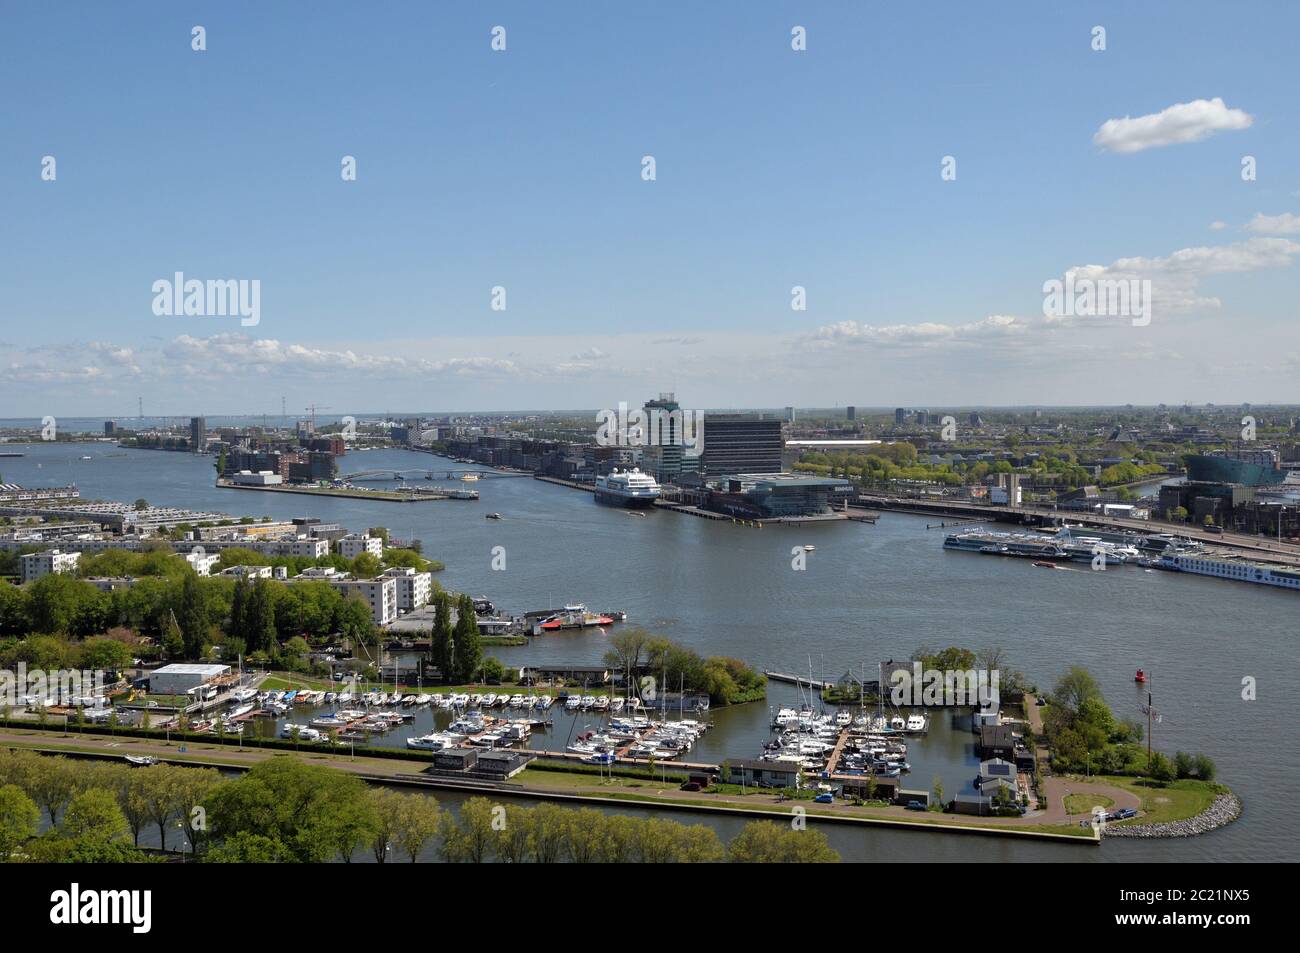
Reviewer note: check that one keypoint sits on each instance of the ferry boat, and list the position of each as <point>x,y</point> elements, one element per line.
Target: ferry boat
<point>627,488</point>
<point>576,616</point>
<point>1232,567</point>
<point>1006,544</point>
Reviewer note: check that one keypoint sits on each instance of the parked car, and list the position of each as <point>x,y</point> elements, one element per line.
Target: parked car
<point>690,785</point>
<point>915,805</point>
<point>825,797</point>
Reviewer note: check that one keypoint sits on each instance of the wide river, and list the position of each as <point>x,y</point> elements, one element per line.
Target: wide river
<point>868,593</point>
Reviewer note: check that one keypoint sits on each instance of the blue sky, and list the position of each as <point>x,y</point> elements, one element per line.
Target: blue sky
<point>521,168</point>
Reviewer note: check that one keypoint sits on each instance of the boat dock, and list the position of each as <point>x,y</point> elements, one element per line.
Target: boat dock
<point>797,680</point>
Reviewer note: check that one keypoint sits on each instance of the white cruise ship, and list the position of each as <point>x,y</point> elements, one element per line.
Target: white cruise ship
<point>627,488</point>
<point>1228,567</point>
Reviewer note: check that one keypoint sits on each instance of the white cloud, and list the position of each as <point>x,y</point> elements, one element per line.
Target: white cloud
<point>232,356</point>
<point>1182,122</point>
<point>233,353</point>
<point>1284,224</point>
<point>1218,226</point>
<point>903,335</point>
<point>1175,279</point>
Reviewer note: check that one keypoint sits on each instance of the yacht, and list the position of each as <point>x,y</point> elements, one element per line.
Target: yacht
<point>627,488</point>
<point>436,741</point>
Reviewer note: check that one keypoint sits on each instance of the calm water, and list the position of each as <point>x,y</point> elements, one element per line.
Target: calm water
<point>869,592</point>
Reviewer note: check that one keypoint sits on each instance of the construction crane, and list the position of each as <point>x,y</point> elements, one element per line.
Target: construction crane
<point>312,410</point>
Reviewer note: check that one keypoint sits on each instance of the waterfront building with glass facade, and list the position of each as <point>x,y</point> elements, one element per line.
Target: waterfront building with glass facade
<point>772,495</point>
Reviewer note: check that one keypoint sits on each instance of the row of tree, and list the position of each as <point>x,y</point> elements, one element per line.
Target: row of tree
<point>284,810</point>
<point>637,653</point>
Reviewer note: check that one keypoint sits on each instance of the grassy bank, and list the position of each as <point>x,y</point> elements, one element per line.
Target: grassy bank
<point>1169,801</point>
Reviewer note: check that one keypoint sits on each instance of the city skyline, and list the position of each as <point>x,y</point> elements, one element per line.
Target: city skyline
<point>820,169</point>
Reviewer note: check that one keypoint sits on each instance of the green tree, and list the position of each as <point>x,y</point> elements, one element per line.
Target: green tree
<point>440,643</point>
<point>105,654</point>
<point>418,824</point>
<point>1160,768</point>
<point>259,616</point>
<point>389,807</point>
<point>20,818</point>
<point>316,813</point>
<point>469,839</point>
<point>52,785</point>
<point>765,842</point>
<point>238,626</point>
<point>192,616</point>
<point>94,813</point>
<point>468,642</point>
<point>246,847</point>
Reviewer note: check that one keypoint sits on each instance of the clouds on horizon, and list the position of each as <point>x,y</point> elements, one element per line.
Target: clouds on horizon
<point>234,368</point>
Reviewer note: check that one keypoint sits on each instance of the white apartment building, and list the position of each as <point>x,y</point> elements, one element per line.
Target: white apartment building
<point>307,546</point>
<point>36,565</point>
<point>380,594</point>
<point>354,544</point>
<point>328,573</point>
<point>413,587</point>
<point>247,572</point>
<point>202,562</point>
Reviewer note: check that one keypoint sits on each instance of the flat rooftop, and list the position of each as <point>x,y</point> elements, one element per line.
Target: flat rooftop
<point>786,479</point>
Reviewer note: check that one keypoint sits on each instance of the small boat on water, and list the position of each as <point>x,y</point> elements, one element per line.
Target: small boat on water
<point>1043,565</point>
<point>1140,677</point>
<point>141,760</point>
<point>493,516</point>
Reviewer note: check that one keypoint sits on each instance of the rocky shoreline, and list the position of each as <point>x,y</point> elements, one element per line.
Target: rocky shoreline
<point>1225,809</point>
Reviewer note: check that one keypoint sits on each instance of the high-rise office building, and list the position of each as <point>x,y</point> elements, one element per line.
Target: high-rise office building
<point>198,434</point>
<point>663,438</point>
<point>741,443</point>
<point>900,416</point>
<point>789,415</point>
<point>851,413</point>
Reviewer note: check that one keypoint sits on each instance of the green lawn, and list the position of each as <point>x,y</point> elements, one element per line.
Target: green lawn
<point>1084,803</point>
<point>1162,803</point>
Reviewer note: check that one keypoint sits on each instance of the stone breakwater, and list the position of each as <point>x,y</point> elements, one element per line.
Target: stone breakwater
<point>1225,809</point>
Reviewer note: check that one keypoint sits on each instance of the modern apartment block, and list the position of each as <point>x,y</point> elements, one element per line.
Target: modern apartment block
<point>36,565</point>
<point>354,544</point>
<point>412,586</point>
<point>380,594</point>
